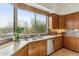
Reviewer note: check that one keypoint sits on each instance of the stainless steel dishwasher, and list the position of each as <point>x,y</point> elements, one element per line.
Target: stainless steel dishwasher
<point>50,47</point>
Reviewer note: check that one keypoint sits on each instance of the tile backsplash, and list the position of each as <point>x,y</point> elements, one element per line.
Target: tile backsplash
<point>74,32</point>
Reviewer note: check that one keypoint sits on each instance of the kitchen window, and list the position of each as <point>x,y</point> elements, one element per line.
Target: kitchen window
<point>33,23</point>
<point>6,20</point>
<point>41,23</point>
<point>25,19</point>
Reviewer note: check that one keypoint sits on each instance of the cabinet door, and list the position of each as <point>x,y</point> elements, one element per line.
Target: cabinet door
<point>55,21</point>
<point>42,48</point>
<point>72,43</point>
<point>69,21</point>
<point>77,44</point>
<point>62,22</point>
<point>69,42</point>
<point>21,52</point>
<point>66,42</point>
<point>33,49</point>
<point>38,48</point>
<point>57,43</point>
<point>76,21</point>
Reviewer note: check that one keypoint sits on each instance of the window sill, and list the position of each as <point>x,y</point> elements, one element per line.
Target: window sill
<point>5,40</point>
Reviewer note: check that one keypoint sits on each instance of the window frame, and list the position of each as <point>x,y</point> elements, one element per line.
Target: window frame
<point>47,18</point>
<point>15,21</point>
<point>10,36</point>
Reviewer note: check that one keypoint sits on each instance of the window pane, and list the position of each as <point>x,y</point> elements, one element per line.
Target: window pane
<point>31,22</point>
<point>25,19</point>
<point>6,19</point>
<point>41,23</point>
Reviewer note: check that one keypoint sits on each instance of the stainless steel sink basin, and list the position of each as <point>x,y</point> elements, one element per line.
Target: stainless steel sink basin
<point>40,38</point>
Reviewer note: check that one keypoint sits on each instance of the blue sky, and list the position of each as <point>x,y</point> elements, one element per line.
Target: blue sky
<point>26,16</point>
<point>6,15</point>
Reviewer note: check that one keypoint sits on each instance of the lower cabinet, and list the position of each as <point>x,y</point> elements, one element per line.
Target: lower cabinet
<point>66,42</point>
<point>77,44</point>
<point>21,52</point>
<point>57,43</point>
<point>37,48</point>
<point>71,43</point>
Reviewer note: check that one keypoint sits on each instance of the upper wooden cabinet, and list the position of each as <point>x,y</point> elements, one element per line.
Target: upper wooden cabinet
<point>76,20</point>
<point>62,22</point>
<point>72,21</point>
<point>69,21</point>
<point>55,21</point>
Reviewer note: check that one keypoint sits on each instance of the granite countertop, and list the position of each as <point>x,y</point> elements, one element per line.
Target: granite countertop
<point>10,48</point>
<point>72,35</point>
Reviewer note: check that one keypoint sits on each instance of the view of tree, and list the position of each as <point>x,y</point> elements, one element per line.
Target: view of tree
<point>6,30</point>
<point>6,20</point>
<point>37,27</point>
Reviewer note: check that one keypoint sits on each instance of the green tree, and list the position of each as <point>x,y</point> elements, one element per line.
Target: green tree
<point>38,26</point>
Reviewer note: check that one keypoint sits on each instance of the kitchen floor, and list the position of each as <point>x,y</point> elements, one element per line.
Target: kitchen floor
<point>65,52</point>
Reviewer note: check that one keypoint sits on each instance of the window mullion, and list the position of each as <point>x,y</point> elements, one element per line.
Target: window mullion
<point>47,18</point>
<point>15,18</point>
<point>35,22</point>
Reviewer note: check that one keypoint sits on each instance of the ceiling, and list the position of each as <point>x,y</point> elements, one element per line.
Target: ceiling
<point>62,8</point>
<point>57,8</point>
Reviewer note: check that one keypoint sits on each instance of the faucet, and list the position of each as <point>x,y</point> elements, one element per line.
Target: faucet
<point>35,36</point>
<point>39,35</point>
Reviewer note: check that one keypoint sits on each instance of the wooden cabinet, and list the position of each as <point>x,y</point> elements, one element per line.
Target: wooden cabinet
<point>69,21</point>
<point>62,22</point>
<point>70,42</point>
<point>37,48</point>
<point>57,43</point>
<point>72,21</point>
<point>55,21</point>
<point>22,52</point>
<point>43,49</point>
<point>77,44</point>
<point>66,43</point>
<point>76,21</point>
